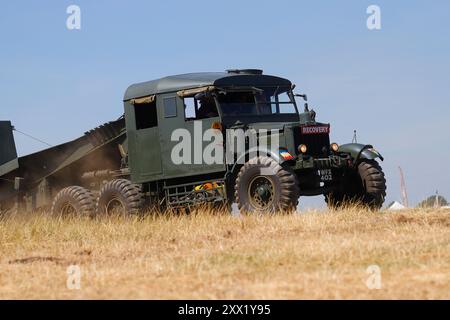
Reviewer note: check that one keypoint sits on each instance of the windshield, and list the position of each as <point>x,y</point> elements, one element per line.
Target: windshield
<point>257,101</point>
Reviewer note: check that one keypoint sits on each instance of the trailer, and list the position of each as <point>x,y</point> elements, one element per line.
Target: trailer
<point>31,182</point>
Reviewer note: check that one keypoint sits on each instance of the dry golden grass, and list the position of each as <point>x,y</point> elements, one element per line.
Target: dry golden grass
<point>205,256</point>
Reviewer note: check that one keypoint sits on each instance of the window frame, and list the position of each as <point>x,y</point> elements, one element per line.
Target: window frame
<point>186,119</point>
<point>165,109</point>
<point>137,123</point>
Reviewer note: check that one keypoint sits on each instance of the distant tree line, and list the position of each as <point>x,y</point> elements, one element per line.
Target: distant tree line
<point>430,202</point>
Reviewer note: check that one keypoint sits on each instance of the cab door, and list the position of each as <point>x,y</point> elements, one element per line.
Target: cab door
<point>172,117</point>
<point>143,141</point>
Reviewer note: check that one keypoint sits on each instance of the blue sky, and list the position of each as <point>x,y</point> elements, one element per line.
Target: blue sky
<point>391,85</point>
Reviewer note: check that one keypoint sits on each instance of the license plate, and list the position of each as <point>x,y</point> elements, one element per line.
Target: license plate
<point>326,175</point>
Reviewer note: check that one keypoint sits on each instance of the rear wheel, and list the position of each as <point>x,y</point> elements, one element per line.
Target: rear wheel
<point>366,186</point>
<point>120,196</point>
<point>74,201</point>
<point>264,186</point>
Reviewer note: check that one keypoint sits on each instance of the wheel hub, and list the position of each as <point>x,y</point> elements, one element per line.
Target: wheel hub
<point>261,192</point>
<point>68,209</point>
<point>115,206</point>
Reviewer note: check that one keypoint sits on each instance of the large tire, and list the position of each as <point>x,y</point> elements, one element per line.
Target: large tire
<point>120,196</point>
<point>264,186</point>
<point>365,186</point>
<point>73,201</point>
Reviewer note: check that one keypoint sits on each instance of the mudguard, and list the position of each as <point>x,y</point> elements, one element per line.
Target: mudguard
<point>261,152</point>
<point>360,151</point>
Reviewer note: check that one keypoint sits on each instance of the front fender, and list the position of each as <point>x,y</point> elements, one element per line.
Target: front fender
<point>260,152</point>
<point>360,151</point>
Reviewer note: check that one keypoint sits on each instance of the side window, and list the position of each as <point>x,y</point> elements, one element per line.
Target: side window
<point>203,108</point>
<point>146,115</point>
<point>207,108</point>
<point>190,108</point>
<point>170,107</point>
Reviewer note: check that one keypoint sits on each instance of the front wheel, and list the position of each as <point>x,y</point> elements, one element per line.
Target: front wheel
<point>366,186</point>
<point>264,186</point>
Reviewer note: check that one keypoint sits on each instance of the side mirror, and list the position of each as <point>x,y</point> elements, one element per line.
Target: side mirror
<point>304,96</point>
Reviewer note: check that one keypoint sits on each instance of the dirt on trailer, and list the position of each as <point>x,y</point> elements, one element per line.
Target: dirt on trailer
<point>316,254</point>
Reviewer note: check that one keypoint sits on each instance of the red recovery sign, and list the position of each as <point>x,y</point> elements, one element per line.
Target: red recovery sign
<point>316,129</point>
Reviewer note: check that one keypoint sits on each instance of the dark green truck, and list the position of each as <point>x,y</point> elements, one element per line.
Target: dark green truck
<point>191,139</point>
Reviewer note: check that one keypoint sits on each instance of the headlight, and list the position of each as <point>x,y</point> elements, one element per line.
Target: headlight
<point>302,148</point>
<point>335,147</point>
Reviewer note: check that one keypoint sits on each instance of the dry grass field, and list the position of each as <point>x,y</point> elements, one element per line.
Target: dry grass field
<point>312,255</point>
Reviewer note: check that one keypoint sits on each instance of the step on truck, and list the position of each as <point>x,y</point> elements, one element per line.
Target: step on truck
<point>212,138</point>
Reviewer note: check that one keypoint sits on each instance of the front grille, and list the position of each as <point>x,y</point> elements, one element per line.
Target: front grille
<point>315,143</point>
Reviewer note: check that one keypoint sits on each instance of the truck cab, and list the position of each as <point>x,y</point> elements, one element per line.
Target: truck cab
<point>155,109</point>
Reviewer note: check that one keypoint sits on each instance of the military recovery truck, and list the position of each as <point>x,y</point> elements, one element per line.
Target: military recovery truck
<point>128,164</point>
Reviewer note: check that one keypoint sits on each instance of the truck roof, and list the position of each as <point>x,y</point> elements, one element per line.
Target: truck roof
<point>246,77</point>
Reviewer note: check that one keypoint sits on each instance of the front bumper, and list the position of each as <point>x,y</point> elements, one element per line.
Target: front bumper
<point>320,175</point>
<point>332,162</point>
